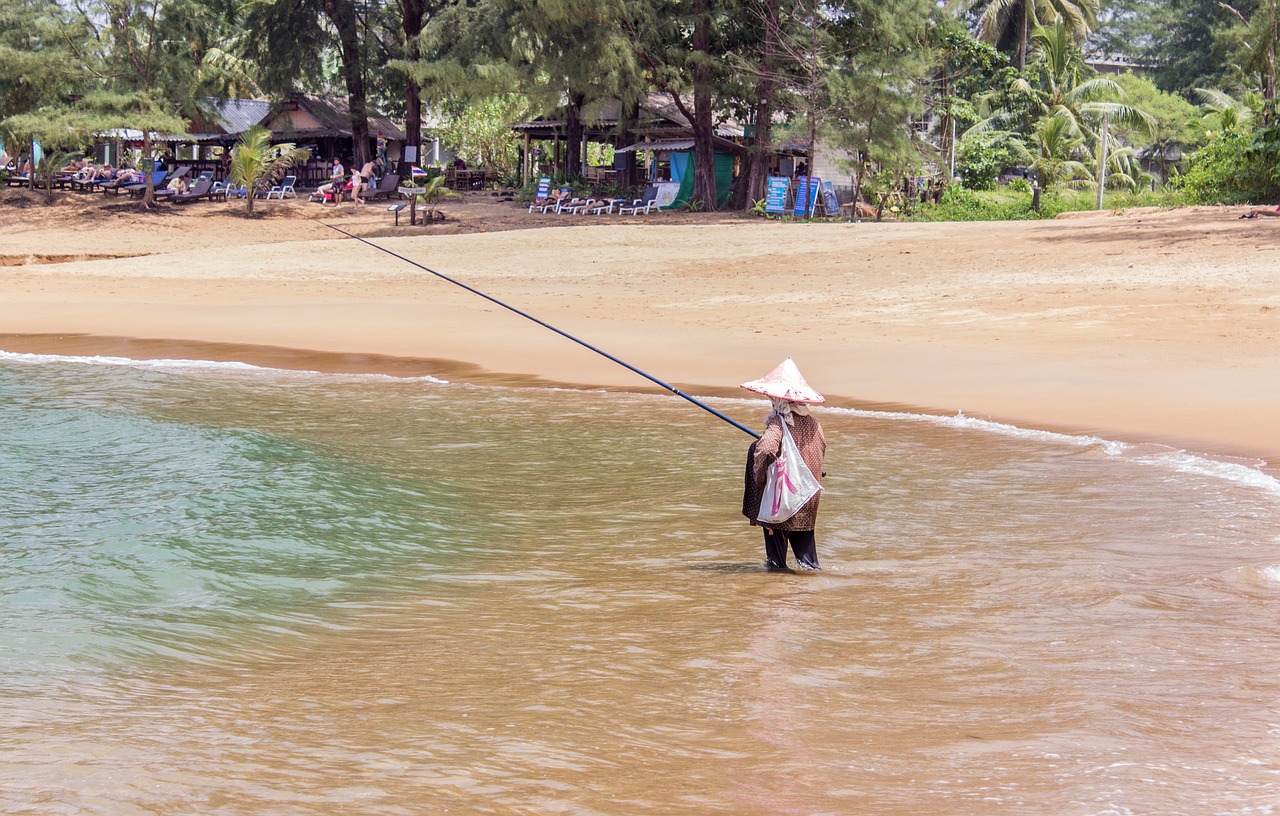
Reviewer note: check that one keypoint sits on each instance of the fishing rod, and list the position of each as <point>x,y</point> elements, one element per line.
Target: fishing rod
<point>735,423</point>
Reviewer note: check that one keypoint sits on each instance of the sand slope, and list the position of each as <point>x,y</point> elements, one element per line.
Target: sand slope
<point>1156,325</point>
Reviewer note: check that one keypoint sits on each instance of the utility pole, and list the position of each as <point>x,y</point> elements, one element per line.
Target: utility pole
<point>1102,159</point>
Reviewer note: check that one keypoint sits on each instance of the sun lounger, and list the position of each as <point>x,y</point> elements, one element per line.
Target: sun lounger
<point>388,186</point>
<point>573,206</point>
<point>603,206</point>
<point>160,184</point>
<point>118,184</point>
<point>553,203</point>
<point>282,189</point>
<point>648,201</point>
<point>203,188</point>
<point>542,196</point>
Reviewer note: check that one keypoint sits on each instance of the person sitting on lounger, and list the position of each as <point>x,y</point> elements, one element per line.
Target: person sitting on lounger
<point>179,185</point>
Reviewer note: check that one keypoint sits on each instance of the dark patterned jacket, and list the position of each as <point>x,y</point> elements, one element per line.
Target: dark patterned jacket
<point>813,449</point>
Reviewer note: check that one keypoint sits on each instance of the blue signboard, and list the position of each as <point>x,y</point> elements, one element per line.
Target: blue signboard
<point>802,196</point>
<point>829,201</point>
<point>775,200</point>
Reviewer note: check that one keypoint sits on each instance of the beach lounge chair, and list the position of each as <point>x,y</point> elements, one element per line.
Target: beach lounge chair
<point>643,204</point>
<point>573,206</point>
<point>388,186</point>
<point>203,188</point>
<point>160,184</point>
<point>120,183</point>
<point>542,195</point>
<point>555,201</point>
<point>603,206</point>
<point>282,189</point>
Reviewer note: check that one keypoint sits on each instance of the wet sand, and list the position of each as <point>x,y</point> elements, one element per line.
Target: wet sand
<point>1140,326</point>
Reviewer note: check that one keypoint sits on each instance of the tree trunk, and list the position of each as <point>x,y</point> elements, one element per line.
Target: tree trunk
<point>626,136</point>
<point>757,171</point>
<point>573,135</point>
<point>148,192</point>
<point>412,13</point>
<point>1022,40</point>
<point>342,14</point>
<point>704,157</point>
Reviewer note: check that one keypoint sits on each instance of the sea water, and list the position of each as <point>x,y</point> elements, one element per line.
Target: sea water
<point>227,590</point>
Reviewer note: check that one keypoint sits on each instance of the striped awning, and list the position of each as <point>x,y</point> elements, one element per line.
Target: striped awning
<point>672,144</point>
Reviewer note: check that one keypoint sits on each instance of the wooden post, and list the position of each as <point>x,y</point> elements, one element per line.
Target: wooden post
<point>524,175</point>
<point>413,211</point>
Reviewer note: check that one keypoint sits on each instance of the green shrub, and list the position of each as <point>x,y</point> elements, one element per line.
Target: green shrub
<point>959,204</point>
<point>980,160</point>
<point>1019,185</point>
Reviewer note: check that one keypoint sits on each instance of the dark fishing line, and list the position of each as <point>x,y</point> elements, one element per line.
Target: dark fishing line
<point>565,334</point>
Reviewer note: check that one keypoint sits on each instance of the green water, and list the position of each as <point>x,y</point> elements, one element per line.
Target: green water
<point>231,591</point>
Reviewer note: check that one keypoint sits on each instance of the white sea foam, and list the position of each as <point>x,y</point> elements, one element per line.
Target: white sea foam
<point>1241,472</point>
<point>194,365</point>
<point>1271,574</point>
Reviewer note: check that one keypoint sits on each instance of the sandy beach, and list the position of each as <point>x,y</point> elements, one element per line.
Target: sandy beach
<point>1139,326</point>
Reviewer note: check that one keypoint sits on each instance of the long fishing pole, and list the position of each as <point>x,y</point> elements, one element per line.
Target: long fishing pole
<point>545,325</point>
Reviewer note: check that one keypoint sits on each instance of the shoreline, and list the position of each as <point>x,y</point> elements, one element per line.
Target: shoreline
<point>1139,327</point>
<point>456,371</point>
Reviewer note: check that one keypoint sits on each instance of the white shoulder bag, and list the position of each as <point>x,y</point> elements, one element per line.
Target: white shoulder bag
<point>790,483</point>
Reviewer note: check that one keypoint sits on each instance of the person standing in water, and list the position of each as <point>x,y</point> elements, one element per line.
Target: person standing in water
<point>791,397</point>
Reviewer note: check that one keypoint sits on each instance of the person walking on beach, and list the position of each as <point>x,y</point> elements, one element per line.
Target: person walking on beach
<point>791,397</point>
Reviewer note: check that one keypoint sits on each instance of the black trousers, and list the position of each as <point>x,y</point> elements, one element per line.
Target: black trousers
<point>802,544</point>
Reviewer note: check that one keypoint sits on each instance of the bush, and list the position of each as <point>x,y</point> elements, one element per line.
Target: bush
<point>1211,170</point>
<point>1019,185</point>
<point>1231,169</point>
<point>959,204</point>
<point>980,159</point>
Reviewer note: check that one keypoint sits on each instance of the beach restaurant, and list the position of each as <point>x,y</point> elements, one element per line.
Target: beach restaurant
<point>321,123</point>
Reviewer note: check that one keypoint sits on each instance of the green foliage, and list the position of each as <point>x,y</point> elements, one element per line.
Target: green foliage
<point>1019,185</point>
<point>1234,168</point>
<point>958,204</point>
<point>254,160</point>
<point>481,132</point>
<point>1171,115</point>
<point>981,158</point>
<point>1263,157</point>
<point>433,192</point>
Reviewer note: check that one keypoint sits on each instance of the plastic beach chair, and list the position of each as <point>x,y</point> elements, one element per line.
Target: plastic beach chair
<point>543,194</point>
<point>644,204</point>
<point>283,188</point>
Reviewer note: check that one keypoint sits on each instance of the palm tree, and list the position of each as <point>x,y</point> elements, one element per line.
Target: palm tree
<point>255,159</point>
<point>1226,114</point>
<point>433,192</point>
<point>1261,41</point>
<point>1086,101</point>
<point>1010,23</point>
<point>1050,152</point>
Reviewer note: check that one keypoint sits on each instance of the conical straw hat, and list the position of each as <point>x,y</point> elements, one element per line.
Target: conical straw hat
<point>785,382</point>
